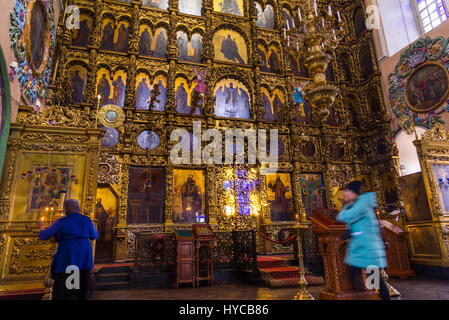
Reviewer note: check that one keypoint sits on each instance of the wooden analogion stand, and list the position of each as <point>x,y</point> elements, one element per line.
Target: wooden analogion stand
<point>333,249</point>
<point>204,239</point>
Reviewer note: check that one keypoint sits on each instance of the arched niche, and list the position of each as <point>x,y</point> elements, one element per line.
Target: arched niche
<point>408,156</point>
<point>190,49</point>
<point>366,62</point>
<point>152,44</point>
<point>232,99</point>
<point>359,22</point>
<point>111,86</point>
<point>273,104</point>
<point>145,84</point>
<point>230,46</point>
<point>81,36</point>
<point>77,73</point>
<point>270,58</point>
<point>265,16</point>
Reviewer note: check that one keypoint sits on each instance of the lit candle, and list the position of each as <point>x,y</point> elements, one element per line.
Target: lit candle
<point>330,10</point>
<point>51,214</point>
<point>338,15</point>
<point>46,214</point>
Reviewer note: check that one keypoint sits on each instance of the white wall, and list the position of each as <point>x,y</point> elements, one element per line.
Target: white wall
<point>399,24</point>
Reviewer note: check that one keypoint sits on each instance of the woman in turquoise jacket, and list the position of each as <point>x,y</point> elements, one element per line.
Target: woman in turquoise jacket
<point>366,248</point>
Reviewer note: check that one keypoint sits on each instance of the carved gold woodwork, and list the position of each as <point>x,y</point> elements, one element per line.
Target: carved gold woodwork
<point>359,155</point>
<point>24,258</point>
<point>428,241</point>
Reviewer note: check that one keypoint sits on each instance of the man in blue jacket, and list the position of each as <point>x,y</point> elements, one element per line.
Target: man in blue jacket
<point>73,234</point>
<point>366,248</point>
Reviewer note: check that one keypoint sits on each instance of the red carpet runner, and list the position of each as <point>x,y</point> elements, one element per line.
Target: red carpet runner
<point>278,272</point>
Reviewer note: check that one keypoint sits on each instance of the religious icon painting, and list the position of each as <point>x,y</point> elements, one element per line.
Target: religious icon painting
<point>37,27</point>
<point>307,149</point>
<point>119,88</point>
<point>297,66</point>
<point>192,7</point>
<point>415,198</point>
<point>188,195</point>
<point>280,197</point>
<point>46,189</point>
<point>234,7</point>
<point>304,114</point>
<point>366,62</point>
<point>80,37</point>
<point>153,45</point>
<point>189,50</point>
<point>148,140</point>
<point>232,100</point>
<point>313,191</point>
<point>427,88</point>
<point>78,80</point>
<point>270,59</point>
<point>121,37</point>
<point>440,173</point>
<point>146,195</point>
<point>359,22</point>
<point>339,196</point>
<point>337,150</point>
<point>366,182</point>
<point>273,104</point>
<point>144,88</point>
<point>105,213</point>
<point>230,46</point>
<point>104,86</point>
<point>157,4</point>
<point>265,17</point>
<point>110,138</point>
<point>188,100</point>
<point>292,21</point>
<point>107,42</point>
<point>159,44</point>
<point>390,191</point>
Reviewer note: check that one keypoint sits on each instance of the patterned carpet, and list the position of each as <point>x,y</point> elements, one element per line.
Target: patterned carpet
<point>278,272</point>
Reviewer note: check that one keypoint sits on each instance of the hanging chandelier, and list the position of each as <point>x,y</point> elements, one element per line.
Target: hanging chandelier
<point>317,32</point>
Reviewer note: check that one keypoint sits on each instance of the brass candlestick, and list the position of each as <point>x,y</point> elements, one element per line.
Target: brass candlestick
<point>302,294</point>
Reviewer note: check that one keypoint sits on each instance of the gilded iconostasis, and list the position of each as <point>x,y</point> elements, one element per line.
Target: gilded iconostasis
<point>153,66</point>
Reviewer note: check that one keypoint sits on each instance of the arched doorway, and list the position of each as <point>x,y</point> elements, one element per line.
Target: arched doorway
<point>408,157</point>
<point>5,108</point>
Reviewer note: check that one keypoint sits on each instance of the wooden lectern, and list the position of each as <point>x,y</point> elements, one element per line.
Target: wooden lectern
<point>397,251</point>
<point>204,238</point>
<point>333,250</point>
<point>185,257</point>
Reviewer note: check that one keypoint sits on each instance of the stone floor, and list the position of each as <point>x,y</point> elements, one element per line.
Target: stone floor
<point>419,288</point>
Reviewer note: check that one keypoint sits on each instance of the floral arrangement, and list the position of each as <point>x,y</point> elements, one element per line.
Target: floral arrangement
<point>33,85</point>
<point>418,53</point>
